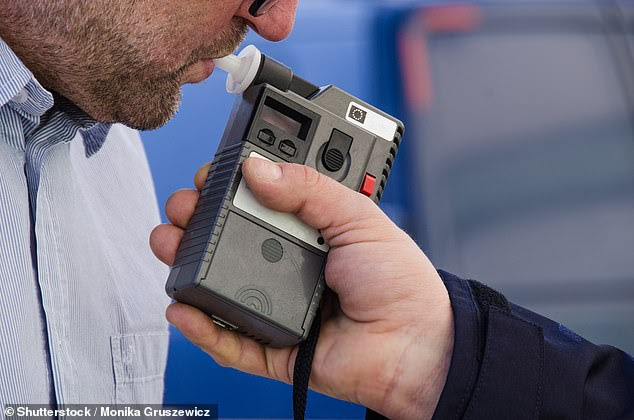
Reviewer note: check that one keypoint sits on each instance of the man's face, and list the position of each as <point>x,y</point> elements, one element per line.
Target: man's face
<point>126,60</point>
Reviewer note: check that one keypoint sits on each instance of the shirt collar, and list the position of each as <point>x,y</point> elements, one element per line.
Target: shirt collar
<point>21,90</point>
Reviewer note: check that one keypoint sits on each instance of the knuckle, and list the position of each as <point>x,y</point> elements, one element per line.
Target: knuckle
<point>271,370</point>
<point>204,169</point>
<point>155,233</point>
<point>202,173</point>
<point>158,234</point>
<point>176,195</point>
<point>308,176</point>
<point>312,178</point>
<point>221,360</point>
<point>225,348</point>
<point>170,201</point>
<point>213,348</point>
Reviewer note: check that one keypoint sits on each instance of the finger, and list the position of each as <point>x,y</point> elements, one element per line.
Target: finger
<point>318,200</point>
<point>201,176</point>
<point>164,241</point>
<point>180,207</point>
<point>228,348</point>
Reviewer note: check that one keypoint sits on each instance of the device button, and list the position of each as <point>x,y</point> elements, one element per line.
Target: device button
<point>367,188</point>
<point>288,148</point>
<point>266,136</point>
<point>336,150</point>
<point>333,159</point>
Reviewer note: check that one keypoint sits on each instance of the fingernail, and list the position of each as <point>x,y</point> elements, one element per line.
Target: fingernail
<point>265,170</point>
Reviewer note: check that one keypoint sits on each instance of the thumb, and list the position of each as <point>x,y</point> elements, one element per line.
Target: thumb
<point>316,199</point>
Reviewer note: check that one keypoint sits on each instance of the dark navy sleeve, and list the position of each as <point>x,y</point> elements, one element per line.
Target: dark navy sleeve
<point>509,362</point>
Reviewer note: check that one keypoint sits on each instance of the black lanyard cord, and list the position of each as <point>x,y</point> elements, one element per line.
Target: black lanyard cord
<point>303,366</point>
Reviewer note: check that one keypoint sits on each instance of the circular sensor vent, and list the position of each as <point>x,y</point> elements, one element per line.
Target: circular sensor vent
<point>272,250</point>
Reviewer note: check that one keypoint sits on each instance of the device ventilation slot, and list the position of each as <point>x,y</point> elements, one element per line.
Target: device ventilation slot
<point>203,222</point>
<point>398,136</point>
<point>389,162</point>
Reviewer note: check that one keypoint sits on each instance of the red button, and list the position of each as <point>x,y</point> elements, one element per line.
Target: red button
<point>367,188</point>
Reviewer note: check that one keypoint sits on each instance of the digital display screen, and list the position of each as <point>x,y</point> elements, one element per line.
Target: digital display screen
<point>285,118</point>
<point>281,121</point>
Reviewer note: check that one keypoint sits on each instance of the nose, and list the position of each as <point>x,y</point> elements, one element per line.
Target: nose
<point>274,25</point>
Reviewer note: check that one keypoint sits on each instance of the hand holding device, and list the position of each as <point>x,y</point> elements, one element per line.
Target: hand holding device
<point>388,328</point>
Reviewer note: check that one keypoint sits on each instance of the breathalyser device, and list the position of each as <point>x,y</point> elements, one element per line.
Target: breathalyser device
<point>252,269</point>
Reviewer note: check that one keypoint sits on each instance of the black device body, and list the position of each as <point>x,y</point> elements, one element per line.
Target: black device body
<point>261,272</point>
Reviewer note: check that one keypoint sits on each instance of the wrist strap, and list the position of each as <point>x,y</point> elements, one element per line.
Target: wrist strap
<point>303,366</point>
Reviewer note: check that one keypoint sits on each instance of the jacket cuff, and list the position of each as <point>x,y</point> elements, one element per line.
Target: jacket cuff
<point>497,364</point>
<point>465,366</point>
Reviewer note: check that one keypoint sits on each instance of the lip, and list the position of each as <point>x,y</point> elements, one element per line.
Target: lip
<point>200,71</point>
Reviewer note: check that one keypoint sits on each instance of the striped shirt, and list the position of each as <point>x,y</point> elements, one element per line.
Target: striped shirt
<point>82,300</point>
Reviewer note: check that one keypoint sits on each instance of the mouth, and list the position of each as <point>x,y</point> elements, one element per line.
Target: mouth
<point>201,65</point>
<point>198,71</point>
<point>202,69</point>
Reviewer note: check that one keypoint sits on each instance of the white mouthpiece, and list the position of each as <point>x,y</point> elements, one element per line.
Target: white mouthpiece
<point>241,69</point>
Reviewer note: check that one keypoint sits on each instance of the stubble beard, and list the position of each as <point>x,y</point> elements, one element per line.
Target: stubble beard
<point>133,94</point>
<point>101,62</point>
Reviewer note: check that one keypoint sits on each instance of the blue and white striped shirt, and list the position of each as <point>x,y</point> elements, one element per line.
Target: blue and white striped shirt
<point>82,299</point>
